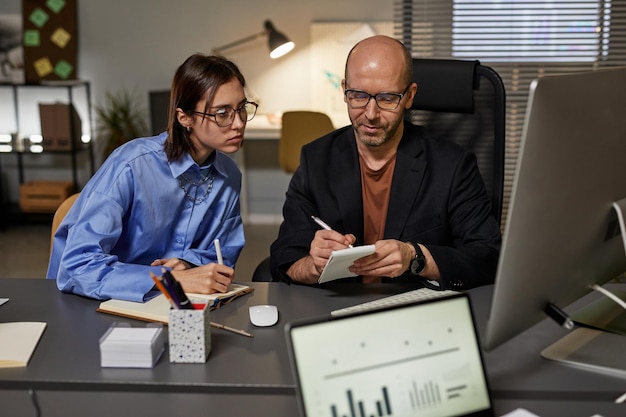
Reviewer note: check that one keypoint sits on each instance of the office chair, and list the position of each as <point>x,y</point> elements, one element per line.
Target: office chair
<point>262,272</point>
<point>59,215</point>
<point>298,129</point>
<point>465,102</point>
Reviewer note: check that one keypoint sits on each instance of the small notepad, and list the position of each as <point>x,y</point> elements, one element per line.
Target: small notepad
<point>18,341</point>
<point>340,260</point>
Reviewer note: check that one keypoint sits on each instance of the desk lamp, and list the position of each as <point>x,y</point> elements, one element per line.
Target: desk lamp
<point>278,43</point>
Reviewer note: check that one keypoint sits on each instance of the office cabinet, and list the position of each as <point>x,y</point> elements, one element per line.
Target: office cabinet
<point>23,108</point>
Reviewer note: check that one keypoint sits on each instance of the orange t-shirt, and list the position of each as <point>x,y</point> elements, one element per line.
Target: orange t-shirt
<point>376,186</point>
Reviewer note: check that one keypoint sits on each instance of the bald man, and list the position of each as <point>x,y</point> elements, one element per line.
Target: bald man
<point>383,181</point>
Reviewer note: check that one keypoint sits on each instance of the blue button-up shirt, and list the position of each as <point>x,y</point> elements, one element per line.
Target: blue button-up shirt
<point>134,210</point>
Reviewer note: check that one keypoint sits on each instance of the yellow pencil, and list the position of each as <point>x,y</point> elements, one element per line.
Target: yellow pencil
<point>230,329</point>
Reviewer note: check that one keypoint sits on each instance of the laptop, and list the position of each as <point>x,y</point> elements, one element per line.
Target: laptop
<point>421,358</point>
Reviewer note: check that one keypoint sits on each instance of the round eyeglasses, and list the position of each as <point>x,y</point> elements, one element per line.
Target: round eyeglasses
<point>224,116</point>
<point>358,99</point>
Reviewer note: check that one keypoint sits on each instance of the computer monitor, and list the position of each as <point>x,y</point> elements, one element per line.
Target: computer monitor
<point>562,232</point>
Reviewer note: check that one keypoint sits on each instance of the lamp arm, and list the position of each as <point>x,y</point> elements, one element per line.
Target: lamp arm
<point>222,48</point>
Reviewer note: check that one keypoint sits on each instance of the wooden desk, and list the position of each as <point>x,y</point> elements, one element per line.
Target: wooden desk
<point>253,372</point>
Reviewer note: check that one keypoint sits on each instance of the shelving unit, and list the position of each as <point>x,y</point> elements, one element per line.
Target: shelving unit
<point>25,107</point>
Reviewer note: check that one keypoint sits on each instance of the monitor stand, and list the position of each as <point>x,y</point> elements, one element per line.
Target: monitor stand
<point>591,349</point>
<point>599,345</point>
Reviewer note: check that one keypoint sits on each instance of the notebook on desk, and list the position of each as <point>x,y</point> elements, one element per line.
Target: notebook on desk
<point>157,309</point>
<point>421,358</point>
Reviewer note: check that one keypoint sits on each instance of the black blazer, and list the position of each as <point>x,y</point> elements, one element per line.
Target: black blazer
<point>437,199</point>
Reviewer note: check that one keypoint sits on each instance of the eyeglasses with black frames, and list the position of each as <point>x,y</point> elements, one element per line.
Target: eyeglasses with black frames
<point>224,116</point>
<point>358,99</point>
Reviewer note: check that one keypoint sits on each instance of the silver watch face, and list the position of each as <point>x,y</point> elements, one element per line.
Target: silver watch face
<point>417,265</point>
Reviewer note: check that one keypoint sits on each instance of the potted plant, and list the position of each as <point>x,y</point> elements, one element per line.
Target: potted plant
<point>119,119</point>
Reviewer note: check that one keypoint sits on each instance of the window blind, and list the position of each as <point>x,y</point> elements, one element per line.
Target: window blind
<point>521,40</point>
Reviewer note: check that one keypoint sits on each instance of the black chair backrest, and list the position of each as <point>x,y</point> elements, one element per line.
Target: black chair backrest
<point>262,272</point>
<point>465,102</point>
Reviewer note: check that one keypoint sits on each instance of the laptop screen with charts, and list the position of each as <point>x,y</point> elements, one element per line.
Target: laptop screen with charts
<point>415,359</point>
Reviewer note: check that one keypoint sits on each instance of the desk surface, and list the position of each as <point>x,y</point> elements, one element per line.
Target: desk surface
<point>67,357</point>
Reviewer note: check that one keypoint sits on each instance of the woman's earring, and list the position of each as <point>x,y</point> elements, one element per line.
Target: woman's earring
<point>188,129</point>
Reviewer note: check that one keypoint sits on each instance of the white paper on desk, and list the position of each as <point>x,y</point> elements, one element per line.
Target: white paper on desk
<point>18,341</point>
<point>340,260</point>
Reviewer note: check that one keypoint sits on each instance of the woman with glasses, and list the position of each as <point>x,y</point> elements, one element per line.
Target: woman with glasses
<point>162,202</point>
<point>383,181</point>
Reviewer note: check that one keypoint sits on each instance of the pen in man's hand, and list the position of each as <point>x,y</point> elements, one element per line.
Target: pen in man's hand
<point>323,225</point>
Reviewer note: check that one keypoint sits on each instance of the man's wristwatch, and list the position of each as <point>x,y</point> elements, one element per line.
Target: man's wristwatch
<point>418,263</point>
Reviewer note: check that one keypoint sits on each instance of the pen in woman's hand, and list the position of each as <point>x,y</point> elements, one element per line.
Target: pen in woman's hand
<point>323,225</point>
<point>218,252</point>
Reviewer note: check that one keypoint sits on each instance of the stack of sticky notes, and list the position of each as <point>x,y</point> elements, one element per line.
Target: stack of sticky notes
<point>131,347</point>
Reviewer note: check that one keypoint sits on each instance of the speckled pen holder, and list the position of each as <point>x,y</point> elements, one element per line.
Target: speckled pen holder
<point>189,335</point>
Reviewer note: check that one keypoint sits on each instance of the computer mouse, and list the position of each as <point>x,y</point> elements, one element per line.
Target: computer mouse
<point>263,315</point>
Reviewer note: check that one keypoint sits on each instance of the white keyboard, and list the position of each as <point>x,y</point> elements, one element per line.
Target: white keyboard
<point>393,300</point>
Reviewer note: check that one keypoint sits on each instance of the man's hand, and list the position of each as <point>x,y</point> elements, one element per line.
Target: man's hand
<point>308,269</point>
<point>324,243</point>
<point>390,259</point>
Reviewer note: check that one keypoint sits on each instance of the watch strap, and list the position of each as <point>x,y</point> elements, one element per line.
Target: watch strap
<point>418,263</point>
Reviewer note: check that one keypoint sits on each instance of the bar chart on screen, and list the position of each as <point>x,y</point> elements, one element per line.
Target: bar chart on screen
<point>383,365</point>
<point>405,393</point>
<point>422,396</point>
<point>357,407</point>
